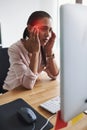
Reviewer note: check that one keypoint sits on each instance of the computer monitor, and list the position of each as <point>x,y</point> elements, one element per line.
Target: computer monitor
<point>73,60</point>
<point>0,36</point>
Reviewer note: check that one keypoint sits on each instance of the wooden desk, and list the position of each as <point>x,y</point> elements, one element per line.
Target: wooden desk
<point>43,90</point>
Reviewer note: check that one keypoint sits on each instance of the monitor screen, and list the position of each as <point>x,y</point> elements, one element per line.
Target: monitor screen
<point>73,61</point>
<point>0,35</point>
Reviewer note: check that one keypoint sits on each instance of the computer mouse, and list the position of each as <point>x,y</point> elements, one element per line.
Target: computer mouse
<point>27,115</point>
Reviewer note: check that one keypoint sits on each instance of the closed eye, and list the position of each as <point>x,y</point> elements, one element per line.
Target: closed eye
<point>45,28</point>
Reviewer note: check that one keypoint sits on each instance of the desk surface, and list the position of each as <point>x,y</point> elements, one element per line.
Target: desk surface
<point>43,90</point>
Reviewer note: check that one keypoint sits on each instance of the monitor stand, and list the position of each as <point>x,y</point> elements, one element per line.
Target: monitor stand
<point>59,122</point>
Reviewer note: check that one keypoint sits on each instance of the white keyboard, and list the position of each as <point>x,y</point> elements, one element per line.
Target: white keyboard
<point>52,105</point>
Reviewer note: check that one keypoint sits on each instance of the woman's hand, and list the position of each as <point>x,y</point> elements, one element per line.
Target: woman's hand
<point>34,42</point>
<point>49,46</point>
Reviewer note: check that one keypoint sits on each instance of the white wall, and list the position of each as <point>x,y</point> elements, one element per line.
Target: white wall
<point>14,15</point>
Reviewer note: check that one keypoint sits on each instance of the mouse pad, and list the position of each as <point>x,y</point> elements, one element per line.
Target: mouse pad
<point>9,119</point>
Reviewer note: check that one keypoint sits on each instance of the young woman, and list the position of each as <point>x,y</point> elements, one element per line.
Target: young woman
<point>32,54</point>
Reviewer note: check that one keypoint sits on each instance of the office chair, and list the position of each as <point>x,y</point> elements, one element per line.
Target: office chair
<point>4,65</point>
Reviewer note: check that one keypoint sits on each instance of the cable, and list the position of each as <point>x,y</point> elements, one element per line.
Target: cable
<point>47,122</point>
<point>33,126</point>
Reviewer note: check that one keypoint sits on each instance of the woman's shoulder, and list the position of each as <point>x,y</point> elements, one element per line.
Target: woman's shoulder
<point>15,46</point>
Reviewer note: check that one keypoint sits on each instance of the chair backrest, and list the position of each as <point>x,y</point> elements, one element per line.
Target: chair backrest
<point>4,65</point>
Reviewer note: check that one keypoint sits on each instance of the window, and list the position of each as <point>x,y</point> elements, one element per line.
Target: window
<point>84,2</point>
<point>57,47</point>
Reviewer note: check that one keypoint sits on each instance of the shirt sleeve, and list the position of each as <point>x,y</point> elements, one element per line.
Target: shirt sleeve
<point>21,70</point>
<point>49,74</point>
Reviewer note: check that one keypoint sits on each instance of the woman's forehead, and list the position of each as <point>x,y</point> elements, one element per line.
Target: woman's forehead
<point>44,22</point>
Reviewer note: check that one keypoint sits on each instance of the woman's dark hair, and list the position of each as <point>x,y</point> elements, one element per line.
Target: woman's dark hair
<point>37,15</point>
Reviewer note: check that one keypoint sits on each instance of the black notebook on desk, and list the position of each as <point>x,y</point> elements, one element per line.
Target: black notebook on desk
<point>9,119</point>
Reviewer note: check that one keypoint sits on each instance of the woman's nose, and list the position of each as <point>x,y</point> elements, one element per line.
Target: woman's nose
<point>47,33</point>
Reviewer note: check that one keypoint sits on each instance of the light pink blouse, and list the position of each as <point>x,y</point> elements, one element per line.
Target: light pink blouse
<point>19,72</point>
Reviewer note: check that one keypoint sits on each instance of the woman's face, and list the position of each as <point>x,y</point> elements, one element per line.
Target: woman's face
<point>44,26</point>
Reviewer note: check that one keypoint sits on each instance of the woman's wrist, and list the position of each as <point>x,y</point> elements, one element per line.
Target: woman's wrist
<point>49,53</point>
<point>52,56</point>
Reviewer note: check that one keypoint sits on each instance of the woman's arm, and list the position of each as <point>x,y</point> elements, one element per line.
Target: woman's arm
<point>20,68</point>
<point>51,67</point>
